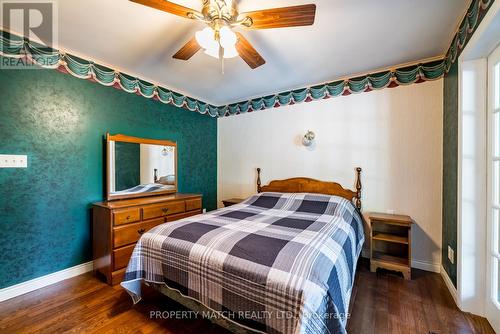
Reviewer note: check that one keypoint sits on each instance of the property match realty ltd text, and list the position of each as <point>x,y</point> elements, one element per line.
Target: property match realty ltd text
<point>242,315</point>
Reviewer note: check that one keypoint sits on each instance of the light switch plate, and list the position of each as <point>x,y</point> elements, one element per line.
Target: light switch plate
<point>13,161</point>
<point>451,255</point>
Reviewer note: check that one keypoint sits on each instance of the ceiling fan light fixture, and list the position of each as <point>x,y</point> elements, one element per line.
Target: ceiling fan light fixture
<point>206,38</point>
<point>228,38</point>
<point>213,51</point>
<point>230,52</point>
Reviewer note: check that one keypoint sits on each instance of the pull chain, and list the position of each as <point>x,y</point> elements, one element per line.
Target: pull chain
<point>221,57</point>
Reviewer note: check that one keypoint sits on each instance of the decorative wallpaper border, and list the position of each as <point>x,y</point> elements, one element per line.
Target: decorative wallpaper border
<point>475,13</point>
<point>13,46</point>
<point>376,81</point>
<point>18,47</point>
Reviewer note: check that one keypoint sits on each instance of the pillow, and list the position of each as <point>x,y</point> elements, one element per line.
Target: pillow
<point>169,179</point>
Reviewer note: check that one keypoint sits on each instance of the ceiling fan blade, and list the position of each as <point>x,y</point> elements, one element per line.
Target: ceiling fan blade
<point>294,16</point>
<point>188,50</point>
<point>167,6</point>
<point>248,53</point>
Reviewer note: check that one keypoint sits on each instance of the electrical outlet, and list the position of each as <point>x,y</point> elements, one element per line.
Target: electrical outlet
<point>451,254</point>
<point>13,161</point>
<point>390,211</point>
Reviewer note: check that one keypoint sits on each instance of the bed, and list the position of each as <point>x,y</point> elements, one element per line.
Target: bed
<point>282,261</point>
<point>145,188</point>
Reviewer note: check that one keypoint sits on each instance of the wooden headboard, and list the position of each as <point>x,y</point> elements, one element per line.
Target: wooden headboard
<point>307,185</point>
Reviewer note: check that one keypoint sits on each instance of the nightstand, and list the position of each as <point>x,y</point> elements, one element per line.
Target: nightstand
<point>232,201</point>
<point>390,242</point>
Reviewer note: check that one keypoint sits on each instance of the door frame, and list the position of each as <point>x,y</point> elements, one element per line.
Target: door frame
<point>492,305</point>
<point>478,49</point>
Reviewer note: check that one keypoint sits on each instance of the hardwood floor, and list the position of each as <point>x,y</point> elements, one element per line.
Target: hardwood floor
<point>386,303</point>
<point>380,304</point>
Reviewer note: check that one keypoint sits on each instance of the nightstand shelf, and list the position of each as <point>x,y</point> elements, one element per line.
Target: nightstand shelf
<point>390,242</point>
<point>390,238</point>
<point>382,257</point>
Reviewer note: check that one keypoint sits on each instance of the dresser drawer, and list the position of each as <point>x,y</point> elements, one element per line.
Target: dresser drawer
<point>117,276</point>
<point>128,234</point>
<point>160,210</point>
<point>121,256</point>
<point>193,204</point>
<point>121,217</point>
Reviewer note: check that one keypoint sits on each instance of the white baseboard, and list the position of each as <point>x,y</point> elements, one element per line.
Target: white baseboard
<point>427,266</point>
<point>40,282</point>
<point>423,265</point>
<point>450,286</point>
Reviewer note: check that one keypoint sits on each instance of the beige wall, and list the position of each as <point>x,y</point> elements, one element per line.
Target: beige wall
<point>395,135</point>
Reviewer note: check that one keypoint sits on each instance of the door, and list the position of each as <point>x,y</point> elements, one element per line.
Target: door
<point>493,231</point>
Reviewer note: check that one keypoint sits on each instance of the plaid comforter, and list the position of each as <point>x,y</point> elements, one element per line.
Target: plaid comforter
<point>276,263</point>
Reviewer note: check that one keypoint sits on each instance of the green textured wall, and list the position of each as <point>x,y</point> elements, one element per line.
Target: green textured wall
<point>59,121</point>
<point>128,158</point>
<point>450,163</point>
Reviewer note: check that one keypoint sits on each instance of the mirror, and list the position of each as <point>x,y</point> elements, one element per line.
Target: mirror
<point>139,167</point>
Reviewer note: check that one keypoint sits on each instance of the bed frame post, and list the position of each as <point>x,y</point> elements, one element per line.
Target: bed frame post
<point>258,181</point>
<point>358,188</point>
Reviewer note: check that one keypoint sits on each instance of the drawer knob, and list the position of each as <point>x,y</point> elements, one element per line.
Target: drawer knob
<point>141,231</point>
<point>165,210</point>
<point>128,217</point>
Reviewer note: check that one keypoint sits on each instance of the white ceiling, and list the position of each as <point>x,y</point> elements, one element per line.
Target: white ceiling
<point>348,37</point>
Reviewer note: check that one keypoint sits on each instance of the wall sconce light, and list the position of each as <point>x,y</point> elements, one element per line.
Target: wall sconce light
<point>308,138</point>
<point>166,151</point>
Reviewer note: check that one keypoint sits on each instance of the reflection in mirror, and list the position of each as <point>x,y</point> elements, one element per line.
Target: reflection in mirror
<point>136,168</point>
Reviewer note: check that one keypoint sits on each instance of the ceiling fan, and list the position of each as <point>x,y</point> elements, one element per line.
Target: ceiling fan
<point>219,40</point>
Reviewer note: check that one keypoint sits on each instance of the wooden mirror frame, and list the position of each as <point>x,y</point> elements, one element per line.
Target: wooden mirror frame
<point>136,140</point>
<point>307,185</point>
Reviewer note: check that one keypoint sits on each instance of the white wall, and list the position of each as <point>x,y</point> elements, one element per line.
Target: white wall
<point>151,158</point>
<point>395,135</point>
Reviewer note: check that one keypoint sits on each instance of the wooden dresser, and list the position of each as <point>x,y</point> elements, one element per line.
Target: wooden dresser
<point>118,225</point>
